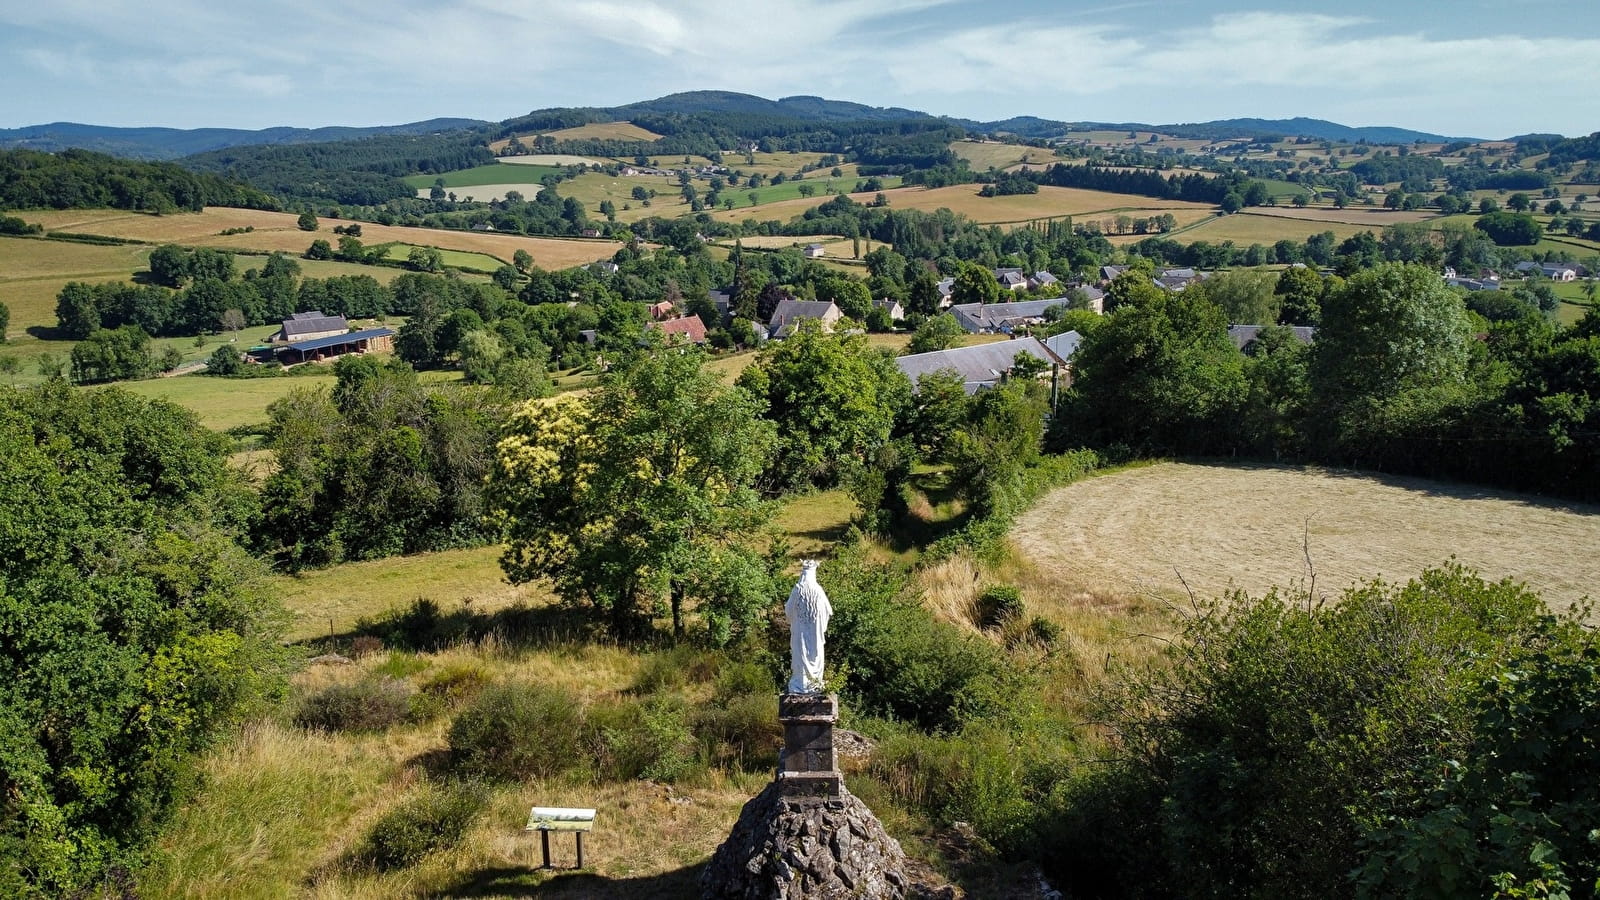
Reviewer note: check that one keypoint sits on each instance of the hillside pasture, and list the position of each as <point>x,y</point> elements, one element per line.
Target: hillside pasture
<point>553,160</point>
<point>499,173</point>
<point>1169,528</point>
<point>1250,228</point>
<point>223,403</point>
<point>277,231</point>
<point>1370,218</point>
<point>1049,203</point>
<point>984,155</point>
<point>32,272</point>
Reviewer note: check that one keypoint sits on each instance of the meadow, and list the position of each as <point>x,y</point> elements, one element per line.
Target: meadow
<point>1166,529</point>
<point>278,231</point>
<point>1049,203</point>
<point>984,155</point>
<point>493,173</point>
<point>1251,228</point>
<point>604,131</point>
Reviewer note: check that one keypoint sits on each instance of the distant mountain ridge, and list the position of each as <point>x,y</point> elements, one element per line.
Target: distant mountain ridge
<point>173,143</point>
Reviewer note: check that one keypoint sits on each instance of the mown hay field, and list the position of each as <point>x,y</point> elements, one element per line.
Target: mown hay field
<point>1370,218</point>
<point>1250,228</point>
<point>602,131</point>
<point>984,155</point>
<point>1155,529</point>
<point>223,403</point>
<point>277,231</point>
<point>1050,202</point>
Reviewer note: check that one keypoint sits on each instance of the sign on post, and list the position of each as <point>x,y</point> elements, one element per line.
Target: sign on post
<point>545,819</point>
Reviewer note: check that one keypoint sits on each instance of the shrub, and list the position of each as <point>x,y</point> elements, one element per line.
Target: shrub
<point>998,605</point>
<point>674,668</point>
<point>514,730</point>
<point>435,819</point>
<point>365,645</point>
<point>740,730</point>
<point>648,740</point>
<point>456,682</point>
<point>737,678</point>
<point>371,704</point>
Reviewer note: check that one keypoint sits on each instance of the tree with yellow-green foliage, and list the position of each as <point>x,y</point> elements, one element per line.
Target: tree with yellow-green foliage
<point>638,501</point>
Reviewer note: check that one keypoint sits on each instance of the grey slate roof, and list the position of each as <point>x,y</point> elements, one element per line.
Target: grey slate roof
<point>1063,345</point>
<point>983,317</point>
<point>312,323</point>
<point>337,339</point>
<point>1242,335</point>
<point>980,366</point>
<point>790,310</point>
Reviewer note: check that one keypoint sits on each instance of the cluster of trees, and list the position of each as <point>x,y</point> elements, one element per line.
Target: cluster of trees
<point>1191,187</point>
<point>380,465</point>
<point>362,172</point>
<point>1397,380</point>
<point>79,179</point>
<point>134,630</point>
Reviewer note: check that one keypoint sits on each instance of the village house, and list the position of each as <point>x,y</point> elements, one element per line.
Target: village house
<point>688,328</point>
<point>1004,318</point>
<point>896,311</point>
<point>980,366</point>
<point>305,326</point>
<point>662,311</point>
<point>814,251</point>
<point>1244,336</point>
<point>1555,271</point>
<point>791,312</point>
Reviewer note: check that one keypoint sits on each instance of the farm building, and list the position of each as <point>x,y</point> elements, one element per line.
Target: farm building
<point>688,328</point>
<point>306,326</point>
<point>814,251</point>
<point>371,340</point>
<point>980,366</point>
<point>1003,318</point>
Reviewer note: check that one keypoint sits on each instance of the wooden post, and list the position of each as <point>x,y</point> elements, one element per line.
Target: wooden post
<point>544,843</point>
<point>580,849</point>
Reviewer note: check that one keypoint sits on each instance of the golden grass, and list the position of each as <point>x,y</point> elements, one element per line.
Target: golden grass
<point>277,231</point>
<point>592,188</point>
<point>606,131</point>
<point>1250,228</point>
<point>1050,202</point>
<point>983,155</point>
<point>553,159</point>
<point>1219,527</point>
<point>1370,218</point>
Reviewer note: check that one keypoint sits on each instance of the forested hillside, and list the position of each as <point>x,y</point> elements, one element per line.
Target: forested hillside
<point>76,179</point>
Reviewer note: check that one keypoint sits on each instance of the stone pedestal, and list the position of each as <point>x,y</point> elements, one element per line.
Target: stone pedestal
<point>809,766</point>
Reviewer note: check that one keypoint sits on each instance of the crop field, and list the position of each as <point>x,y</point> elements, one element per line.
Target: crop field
<point>1249,228</point>
<point>494,173</point>
<point>1221,527</point>
<point>277,231</point>
<point>553,160</point>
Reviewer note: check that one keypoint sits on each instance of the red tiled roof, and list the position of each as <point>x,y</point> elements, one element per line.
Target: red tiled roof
<point>689,326</point>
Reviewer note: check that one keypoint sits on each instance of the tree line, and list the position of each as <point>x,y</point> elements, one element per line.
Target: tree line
<point>79,179</point>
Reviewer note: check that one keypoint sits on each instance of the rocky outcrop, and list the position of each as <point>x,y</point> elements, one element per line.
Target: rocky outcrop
<point>807,848</point>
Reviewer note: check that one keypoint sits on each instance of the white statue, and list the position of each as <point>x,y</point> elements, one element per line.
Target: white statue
<point>808,611</point>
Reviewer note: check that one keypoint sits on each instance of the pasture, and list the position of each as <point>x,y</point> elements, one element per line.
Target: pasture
<point>1252,228</point>
<point>223,403</point>
<point>552,160</point>
<point>503,172</point>
<point>1364,216</point>
<point>1049,203</point>
<point>1150,531</point>
<point>600,131</point>
<point>277,231</point>
<point>984,155</point>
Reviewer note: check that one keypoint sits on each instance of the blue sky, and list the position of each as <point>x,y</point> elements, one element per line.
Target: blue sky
<point>1462,67</point>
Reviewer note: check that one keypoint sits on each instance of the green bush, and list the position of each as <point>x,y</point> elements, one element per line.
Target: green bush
<point>649,740</point>
<point>740,730</point>
<point>371,704</point>
<point>737,678</point>
<point>437,818</point>
<point>456,682</point>
<point>998,605</point>
<point>1255,763</point>
<point>515,730</point>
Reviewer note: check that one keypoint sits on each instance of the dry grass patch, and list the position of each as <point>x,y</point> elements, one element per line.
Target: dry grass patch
<point>1250,228</point>
<point>983,155</point>
<point>1220,527</point>
<point>277,231</point>
<point>1371,218</point>
<point>1050,202</point>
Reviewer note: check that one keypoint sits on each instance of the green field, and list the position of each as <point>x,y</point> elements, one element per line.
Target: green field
<point>493,173</point>
<point>223,403</point>
<point>459,259</point>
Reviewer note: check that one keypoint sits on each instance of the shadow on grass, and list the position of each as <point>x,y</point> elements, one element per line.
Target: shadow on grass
<point>935,512</point>
<point>515,881</point>
<point>425,627</point>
